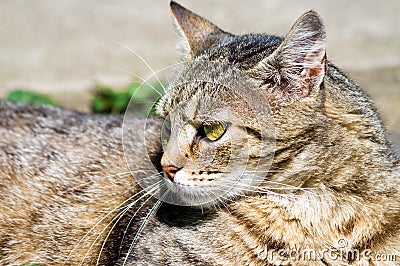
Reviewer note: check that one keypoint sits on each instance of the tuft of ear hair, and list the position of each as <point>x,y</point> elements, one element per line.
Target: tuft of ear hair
<point>298,65</point>
<point>197,33</point>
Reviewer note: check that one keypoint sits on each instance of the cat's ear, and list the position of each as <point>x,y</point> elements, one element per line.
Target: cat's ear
<point>197,33</point>
<point>298,65</point>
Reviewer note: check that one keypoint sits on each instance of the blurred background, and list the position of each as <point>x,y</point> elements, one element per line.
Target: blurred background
<point>67,49</point>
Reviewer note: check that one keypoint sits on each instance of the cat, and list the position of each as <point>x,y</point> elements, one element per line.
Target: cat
<point>262,152</point>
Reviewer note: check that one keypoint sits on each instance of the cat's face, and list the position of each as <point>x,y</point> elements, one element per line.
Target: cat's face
<point>218,134</point>
<point>213,142</point>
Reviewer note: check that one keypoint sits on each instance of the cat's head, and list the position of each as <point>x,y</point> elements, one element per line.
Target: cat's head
<point>215,143</point>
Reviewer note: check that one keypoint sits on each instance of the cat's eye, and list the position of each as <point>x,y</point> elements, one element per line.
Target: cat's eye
<point>214,131</point>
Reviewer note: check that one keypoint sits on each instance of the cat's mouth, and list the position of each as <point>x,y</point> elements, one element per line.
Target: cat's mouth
<point>192,178</point>
<point>203,188</point>
<point>194,187</point>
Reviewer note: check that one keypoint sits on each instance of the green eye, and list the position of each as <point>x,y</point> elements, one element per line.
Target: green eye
<point>214,131</point>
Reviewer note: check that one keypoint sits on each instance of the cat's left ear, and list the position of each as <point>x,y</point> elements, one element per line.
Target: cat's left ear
<point>197,32</point>
<point>298,65</point>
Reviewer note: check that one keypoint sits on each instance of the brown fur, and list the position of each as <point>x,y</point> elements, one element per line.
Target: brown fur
<point>61,171</point>
<point>333,176</point>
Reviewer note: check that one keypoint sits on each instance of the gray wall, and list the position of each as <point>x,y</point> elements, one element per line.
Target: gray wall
<point>67,47</point>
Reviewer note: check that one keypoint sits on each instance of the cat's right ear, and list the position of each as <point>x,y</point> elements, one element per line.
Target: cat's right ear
<point>298,66</point>
<point>197,33</point>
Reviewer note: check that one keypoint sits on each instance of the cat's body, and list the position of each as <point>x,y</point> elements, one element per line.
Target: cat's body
<point>61,171</point>
<point>331,195</point>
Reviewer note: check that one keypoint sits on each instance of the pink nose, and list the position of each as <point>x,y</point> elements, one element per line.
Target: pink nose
<point>170,171</point>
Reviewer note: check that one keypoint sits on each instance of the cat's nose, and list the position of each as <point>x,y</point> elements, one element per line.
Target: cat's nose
<point>170,171</point>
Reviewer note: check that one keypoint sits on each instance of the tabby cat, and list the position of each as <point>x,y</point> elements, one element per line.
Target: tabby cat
<point>262,153</point>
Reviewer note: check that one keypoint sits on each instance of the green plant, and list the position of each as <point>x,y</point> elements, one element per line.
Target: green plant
<point>107,100</point>
<point>29,97</point>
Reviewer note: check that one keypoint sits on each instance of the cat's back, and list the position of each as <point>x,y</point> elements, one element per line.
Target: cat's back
<point>61,171</point>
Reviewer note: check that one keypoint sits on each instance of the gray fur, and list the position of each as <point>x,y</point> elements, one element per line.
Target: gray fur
<point>333,175</point>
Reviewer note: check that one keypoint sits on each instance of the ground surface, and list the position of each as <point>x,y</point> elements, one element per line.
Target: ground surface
<point>66,48</point>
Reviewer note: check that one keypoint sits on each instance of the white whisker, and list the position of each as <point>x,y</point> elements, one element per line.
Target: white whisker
<point>82,185</point>
<point>142,59</point>
<point>123,213</point>
<point>102,219</point>
<point>131,219</point>
<point>117,218</point>
<point>142,226</point>
<point>143,80</point>
<point>292,197</point>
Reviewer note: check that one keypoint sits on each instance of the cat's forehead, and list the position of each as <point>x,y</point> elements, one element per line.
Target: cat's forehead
<point>194,97</point>
<point>242,51</point>
<point>206,101</point>
<point>237,54</point>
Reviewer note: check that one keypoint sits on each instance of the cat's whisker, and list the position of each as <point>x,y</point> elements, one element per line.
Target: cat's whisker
<point>143,171</point>
<point>113,175</point>
<point>262,188</point>
<point>254,189</point>
<point>83,184</point>
<point>323,201</point>
<point>225,199</point>
<point>198,194</point>
<point>151,176</point>
<point>133,216</point>
<point>231,200</point>
<point>102,219</point>
<point>180,63</point>
<point>259,196</point>
<point>145,101</point>
<point>282,186</point>
<point>209,194</point>
<point>122,174</point>
<point>274,171</point>
<point>143,178</point>
<point>144,61</point>
<point>168,78</point>
<point>227,189</point>
<point>156,206</point>
<point>146,80</point>
<point>150,194</point>
<point>143,80</point>
<point>116,219</point>
<point>309,190</point>
<point>130,188</point>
